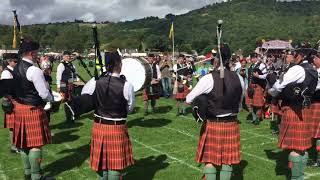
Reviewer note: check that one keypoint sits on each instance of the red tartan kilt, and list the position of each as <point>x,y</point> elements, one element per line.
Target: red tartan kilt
<point>147,97</point>
<point>182,95</point>
<point>219,143</point>
<point>315,107</point>
<point>275,107</point>
<point>258,99</point>
<point>295,132</point>
<point>8,121</point>
<point>31,128</point>
<point>248,100</point>
<point>9,118</point>
<point>110,147</point>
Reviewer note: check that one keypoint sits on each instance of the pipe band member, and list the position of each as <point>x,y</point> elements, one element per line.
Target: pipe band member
<point>219,144</point>
<point>66,76</point>
<point>11,60</point>
<point>295,90</point>
<point>31,128</point>
<point>256,89</point>
<point>111,149</point>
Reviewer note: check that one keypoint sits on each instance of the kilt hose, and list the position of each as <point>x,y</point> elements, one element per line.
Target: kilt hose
<point>111,148</point>
<point>295,130</point>
<point>182,95</point>
<point>8,121</point>
<point>219,143</point>
<point>31,128</point>
<point>146,96</point>
<point>315,107</point>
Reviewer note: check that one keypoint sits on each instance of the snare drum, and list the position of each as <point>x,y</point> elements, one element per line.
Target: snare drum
<point>137,71</point>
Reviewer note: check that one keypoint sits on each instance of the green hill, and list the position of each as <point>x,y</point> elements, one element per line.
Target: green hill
<point>245,23</point>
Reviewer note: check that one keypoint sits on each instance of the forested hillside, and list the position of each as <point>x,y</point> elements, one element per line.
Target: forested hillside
<point>246,22</point>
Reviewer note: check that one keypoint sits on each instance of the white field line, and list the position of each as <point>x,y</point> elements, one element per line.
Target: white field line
<point>159,145</point>
<point>169,156</point>
<point>258,135</point>
<point>2,173</point>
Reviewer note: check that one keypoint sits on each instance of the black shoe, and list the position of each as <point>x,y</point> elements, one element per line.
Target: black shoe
<point>15,151</point>
<point>27,177</point>
<point>316,164</point>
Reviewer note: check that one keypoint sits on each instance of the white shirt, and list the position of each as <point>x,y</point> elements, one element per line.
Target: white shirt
<point>158,72</point>
<point>7,74</point>
<point>60,70</point>
<point>205,86</point>
<point>35,75</point>
<point>318,85</point>
<point>295,74</point>
<point>263,69</point>
<point>128,91</point>
<point>237,66</point>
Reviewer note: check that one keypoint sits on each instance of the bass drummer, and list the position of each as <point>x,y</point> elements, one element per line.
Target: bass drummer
<point>153,91</point>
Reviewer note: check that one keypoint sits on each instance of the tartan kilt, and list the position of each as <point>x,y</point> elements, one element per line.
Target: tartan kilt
<point>146,96</point>
<point>275,107</point>
<point>8,121</point>
<point>182,95</point>
<point>258,99</point>
<point>295,130</point>
<point>111,148</point>
<point>67,92</point>
<point>315,107</point>
<point>219,143</point>
<point>248,100</point>
<point>31,127</point>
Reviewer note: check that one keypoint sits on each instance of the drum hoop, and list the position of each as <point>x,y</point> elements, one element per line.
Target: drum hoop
<point>148,72</point>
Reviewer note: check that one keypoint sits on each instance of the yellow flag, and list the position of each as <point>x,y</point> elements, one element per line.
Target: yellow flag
<point>14,40</point>
<point>171,34</point>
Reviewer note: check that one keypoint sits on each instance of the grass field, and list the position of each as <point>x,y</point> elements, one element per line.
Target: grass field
<point>164,148</point>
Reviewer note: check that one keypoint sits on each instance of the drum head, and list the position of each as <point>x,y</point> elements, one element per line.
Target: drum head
<point>136,71</point>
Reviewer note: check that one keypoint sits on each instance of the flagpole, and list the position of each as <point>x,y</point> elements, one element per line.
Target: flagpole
<point>173,58</point>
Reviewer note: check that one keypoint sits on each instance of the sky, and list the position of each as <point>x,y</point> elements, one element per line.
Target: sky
<point>45,11</point>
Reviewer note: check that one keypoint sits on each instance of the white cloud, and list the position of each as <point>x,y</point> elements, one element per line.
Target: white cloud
<point>44,11</point>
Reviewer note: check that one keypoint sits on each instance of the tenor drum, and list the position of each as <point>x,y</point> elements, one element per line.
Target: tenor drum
<point>137,71</point>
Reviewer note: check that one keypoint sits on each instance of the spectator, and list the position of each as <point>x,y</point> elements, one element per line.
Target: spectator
<point>165,68</point>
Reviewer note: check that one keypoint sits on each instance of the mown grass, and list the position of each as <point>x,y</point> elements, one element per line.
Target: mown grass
<point>164,148</point>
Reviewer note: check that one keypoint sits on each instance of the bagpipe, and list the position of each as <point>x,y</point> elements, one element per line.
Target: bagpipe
<point>84,103</point>
<point>200,103</point>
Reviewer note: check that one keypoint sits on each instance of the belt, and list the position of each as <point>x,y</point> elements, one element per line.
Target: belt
<point>109,122</point>
<point>223,119</point>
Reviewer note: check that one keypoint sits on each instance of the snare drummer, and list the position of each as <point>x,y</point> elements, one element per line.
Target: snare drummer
<point>111,149</point>
<point>152,92</point>
<point>66,76</point>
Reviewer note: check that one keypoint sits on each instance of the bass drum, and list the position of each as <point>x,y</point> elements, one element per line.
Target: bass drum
<point>137,71</point>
